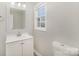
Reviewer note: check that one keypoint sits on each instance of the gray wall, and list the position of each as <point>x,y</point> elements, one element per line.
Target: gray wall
<point>62,26</point>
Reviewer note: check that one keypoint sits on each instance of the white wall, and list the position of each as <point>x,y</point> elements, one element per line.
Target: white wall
<point>3,25</point>
<point>29,17</point>
<point>62,26</point>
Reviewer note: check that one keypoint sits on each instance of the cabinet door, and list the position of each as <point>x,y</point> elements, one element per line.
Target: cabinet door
<point>14,49</point>
<point>28,47</point>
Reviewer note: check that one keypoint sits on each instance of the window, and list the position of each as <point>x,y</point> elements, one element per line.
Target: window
<point>40,17</point>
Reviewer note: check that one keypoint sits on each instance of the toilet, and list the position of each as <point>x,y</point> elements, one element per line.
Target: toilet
<point>61,49</point>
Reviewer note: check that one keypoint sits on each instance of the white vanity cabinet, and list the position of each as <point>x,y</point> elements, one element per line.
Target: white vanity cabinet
<point>21,47</point>
<point>27,47</point>
<point>14,49</point>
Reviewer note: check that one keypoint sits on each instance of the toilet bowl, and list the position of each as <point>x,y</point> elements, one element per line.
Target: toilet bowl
<point>61,49</point>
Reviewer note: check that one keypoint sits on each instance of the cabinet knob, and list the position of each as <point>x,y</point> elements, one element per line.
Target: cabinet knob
<point>22,43</point>
<point>0,16</point>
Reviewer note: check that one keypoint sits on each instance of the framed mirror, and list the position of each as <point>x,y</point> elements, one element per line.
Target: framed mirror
<point>18,17</point>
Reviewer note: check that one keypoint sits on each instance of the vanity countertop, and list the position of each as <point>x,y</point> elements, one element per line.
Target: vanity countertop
<point>14,37</point>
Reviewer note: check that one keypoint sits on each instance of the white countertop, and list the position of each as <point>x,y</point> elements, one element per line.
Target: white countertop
<point>14,37</point>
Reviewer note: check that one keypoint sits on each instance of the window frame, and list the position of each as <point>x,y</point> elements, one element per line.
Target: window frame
<point>36,17</point>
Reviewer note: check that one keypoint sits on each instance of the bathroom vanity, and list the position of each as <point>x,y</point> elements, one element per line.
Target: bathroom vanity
<point>19,45</point>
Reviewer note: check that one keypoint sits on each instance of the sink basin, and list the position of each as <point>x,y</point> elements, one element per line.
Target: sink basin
<point>19,36</point>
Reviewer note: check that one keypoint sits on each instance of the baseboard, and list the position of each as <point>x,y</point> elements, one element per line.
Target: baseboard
<point>37,53</point>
